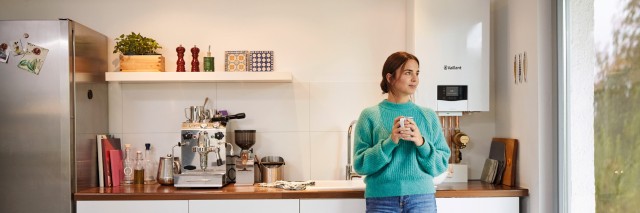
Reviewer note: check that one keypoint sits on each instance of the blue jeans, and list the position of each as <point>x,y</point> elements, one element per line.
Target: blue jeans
<point>422,203</point>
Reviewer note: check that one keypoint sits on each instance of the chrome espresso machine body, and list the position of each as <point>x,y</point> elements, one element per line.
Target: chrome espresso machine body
<point>203,156</point>
<point>203,152</point>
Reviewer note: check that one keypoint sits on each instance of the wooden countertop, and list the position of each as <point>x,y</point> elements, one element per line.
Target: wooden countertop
<point>158,192</point>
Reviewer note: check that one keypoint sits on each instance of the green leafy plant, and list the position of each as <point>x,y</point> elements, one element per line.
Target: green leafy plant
<point>136,44</point>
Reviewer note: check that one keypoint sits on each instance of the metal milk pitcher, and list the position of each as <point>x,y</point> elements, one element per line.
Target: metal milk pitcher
<point>194,114</point>
<point>166,168</point>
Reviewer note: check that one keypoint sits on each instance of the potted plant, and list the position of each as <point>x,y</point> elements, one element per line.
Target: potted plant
<point>138,53</point>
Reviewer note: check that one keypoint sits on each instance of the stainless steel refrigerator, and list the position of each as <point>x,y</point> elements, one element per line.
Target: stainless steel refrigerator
<point>49,120</point>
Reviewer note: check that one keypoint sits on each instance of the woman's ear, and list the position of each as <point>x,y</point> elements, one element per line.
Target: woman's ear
<point>388,77</point>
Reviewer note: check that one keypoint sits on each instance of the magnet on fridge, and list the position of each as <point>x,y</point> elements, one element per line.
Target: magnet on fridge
<point>33,58</point>
<point>4,55</point>
<point>17,48</point>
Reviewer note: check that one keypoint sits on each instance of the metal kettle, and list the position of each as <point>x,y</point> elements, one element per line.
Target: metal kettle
<point>167,167</point>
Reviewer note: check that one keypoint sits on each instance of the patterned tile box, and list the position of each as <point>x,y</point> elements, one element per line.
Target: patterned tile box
<point>235,61</point>
<point>261,61</point>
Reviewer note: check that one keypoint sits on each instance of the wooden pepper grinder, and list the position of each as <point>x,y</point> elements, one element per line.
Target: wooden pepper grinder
<point>195,65</point>
<point>180,62</point>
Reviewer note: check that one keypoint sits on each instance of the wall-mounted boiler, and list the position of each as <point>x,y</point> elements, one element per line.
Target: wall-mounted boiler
<point>451,40</point>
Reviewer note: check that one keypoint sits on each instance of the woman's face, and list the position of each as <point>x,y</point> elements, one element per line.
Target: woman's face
<point>406,78</point>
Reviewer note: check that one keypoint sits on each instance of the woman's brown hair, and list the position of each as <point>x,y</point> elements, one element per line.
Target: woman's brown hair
<point>394,61</point>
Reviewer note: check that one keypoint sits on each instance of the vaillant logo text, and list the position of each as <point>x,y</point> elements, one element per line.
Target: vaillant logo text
<point>447,67</point>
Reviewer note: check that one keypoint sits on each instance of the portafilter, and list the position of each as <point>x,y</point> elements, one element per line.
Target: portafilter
<point>223,119</point>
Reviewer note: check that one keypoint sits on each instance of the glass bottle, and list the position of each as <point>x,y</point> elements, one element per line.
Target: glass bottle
<point>138,172</point>
<point>128,165</point>
<point>149,174</point>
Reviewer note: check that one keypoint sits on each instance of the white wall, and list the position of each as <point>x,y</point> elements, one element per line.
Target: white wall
<point>524,111</point>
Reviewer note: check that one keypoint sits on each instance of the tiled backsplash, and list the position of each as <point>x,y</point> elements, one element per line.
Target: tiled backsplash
<point>305,123</point>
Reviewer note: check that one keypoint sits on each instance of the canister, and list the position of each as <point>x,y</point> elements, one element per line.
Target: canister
<point>272,168</point>
<point>209,66</point>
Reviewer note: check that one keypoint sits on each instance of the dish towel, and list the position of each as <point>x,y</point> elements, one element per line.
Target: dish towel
<point>289,185</point>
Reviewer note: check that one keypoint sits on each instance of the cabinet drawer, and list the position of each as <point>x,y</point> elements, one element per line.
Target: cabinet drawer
<point>262,206</point>
<point>137,206</point>
<point>332,205</point>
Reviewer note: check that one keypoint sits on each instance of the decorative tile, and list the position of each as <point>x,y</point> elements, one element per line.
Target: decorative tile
<point>261,61</point>
<point>235,61</point>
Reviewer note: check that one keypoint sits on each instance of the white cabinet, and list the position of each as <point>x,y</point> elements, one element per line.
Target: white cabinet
<point>134,206</point>
<point>332,205</point>
<point>262,206</point>
<point>479,204</point>
<point>445,205</point>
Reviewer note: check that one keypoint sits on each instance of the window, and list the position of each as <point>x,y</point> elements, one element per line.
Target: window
<point>599,105</point>
<point>617,105</point>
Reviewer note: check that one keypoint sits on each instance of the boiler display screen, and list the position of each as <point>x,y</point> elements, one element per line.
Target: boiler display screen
<point>452,92</point>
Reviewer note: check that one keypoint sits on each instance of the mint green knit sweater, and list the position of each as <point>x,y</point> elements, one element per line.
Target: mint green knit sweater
<point>398,169</point>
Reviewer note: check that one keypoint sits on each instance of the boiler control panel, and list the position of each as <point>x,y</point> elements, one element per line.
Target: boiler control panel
<point>452,92</point>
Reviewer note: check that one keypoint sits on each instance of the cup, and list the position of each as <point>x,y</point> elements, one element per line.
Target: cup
<point>205,115</point>
<point>403,119</point>
<point>190,113</point>
<point>195,114</point>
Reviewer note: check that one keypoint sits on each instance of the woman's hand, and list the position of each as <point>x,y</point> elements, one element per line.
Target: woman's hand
<point>396,131</point>
<point>411,132</point>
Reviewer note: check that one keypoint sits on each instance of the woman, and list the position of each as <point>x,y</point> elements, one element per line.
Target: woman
<point>400,159</point>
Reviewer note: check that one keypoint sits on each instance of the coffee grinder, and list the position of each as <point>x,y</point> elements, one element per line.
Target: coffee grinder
<point>245,170</point>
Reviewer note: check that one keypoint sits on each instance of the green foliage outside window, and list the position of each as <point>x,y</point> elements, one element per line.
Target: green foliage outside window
<point>617,117</point>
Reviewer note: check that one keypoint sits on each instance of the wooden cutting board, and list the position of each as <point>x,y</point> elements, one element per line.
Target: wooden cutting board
<point>511,152</point>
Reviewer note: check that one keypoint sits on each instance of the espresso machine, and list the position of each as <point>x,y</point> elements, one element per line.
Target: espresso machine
<point>203,149</point>
<point>245,165</point>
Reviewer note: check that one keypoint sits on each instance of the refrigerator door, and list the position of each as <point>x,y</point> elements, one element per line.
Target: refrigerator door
<point>91,102</point>
<point>35,152</point>
<point>37,119</point>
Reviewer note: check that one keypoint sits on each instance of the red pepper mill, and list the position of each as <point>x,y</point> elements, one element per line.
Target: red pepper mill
<point>180,62</point>
<point>195,65</point>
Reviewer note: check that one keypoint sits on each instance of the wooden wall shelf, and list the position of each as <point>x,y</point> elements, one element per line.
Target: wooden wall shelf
<point>152,77</point>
